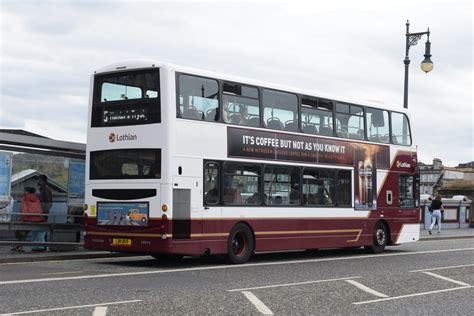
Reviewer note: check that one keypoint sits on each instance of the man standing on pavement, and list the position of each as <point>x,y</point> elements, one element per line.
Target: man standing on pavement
<point>45,196</point>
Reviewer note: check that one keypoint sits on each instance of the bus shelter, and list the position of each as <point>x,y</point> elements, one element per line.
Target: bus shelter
<point>24,158</point>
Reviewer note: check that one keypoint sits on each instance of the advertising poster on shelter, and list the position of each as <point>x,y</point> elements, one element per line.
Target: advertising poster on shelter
<point>5,175</point>
<point>76,183</point>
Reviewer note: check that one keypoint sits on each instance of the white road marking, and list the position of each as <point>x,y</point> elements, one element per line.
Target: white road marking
<point>443,268</point>
<point>291,284</point>
<point>248,265</point>
<point>100,311</point>
<point>366,288</point>
<point>412,295</point>
<point>446,279</point>
<point>262,308</point>
<point>71,307</point>
<point>56,273</point>
<point>75,260</point>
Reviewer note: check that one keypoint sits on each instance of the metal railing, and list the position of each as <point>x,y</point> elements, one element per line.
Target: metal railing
<point>69,228</point>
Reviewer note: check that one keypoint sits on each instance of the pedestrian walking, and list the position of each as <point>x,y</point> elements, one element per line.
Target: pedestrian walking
<point>436,208</point>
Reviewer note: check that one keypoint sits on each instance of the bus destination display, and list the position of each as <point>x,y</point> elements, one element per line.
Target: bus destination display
<point>117,116</point>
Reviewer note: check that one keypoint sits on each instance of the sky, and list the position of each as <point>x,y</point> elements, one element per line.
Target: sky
<point>348,49</point>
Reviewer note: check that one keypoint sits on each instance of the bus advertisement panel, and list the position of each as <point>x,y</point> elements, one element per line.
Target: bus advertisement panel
<point>365,158</point>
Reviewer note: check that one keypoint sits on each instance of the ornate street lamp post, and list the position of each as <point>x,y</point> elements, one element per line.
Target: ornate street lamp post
<point>426,65</point>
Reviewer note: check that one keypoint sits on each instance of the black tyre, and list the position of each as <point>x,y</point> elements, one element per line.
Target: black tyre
<point>240,245</point>
<point>379,239</point>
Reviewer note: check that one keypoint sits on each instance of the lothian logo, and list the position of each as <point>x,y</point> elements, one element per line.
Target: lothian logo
<point>120,138</point>
<point>403,164</point>
<point>112,137</point>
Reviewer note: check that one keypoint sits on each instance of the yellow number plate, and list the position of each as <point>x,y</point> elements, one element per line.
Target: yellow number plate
<point>121,241</point>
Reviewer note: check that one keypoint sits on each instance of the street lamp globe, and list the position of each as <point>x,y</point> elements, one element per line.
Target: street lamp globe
<point>426,65</point>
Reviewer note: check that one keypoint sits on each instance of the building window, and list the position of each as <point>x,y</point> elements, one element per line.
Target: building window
<point>198,98</point>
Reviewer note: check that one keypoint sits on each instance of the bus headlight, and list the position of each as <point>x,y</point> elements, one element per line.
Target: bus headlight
<point>164,236</point>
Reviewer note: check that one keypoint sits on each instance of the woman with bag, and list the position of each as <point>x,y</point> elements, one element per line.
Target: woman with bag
<point>30,212</point>
<point>436,208</point>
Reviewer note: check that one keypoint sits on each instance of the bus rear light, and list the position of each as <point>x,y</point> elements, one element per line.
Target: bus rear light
<point>164,207</point>
<point>164,217</point>
<point>162,226</point>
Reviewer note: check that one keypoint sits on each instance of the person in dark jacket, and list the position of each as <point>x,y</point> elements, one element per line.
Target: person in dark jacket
<point>437,208</point>
<point>46,199</point>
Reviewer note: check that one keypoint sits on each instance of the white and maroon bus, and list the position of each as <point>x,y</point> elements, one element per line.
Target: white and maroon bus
<point>188,162</point>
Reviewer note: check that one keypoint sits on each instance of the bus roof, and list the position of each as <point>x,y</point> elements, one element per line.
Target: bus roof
<point>140,64</point>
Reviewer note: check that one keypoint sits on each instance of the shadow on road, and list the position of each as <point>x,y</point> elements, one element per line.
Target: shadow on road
<point>269,257</point>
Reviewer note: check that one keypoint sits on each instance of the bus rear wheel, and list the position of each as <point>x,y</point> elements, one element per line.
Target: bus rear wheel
<point>240,245</point>
<point>379,239</point>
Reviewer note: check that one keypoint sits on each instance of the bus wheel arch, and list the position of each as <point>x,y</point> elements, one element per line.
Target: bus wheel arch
<point>380,237</point>
<point>240,243</point>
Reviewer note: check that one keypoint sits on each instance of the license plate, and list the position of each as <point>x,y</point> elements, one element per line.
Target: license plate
<point>121,241</point>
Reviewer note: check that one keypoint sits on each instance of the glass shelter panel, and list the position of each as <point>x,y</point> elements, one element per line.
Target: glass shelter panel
<point>55,184</point>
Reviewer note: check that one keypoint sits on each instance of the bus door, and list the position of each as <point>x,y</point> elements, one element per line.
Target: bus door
<point>186,197</point>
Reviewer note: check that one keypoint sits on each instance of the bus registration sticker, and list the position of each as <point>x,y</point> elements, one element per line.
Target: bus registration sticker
<point>121,241</point>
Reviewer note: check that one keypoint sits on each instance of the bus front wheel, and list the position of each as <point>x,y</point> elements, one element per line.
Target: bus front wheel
<point>379,239</point>
<point>240,245</point>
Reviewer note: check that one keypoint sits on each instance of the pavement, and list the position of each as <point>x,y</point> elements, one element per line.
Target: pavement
<point>8,256</point>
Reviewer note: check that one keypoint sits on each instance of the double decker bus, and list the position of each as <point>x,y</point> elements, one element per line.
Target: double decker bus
<point>189,162</point>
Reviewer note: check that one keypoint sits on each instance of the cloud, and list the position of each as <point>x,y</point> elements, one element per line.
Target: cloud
<point>350,50</point>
